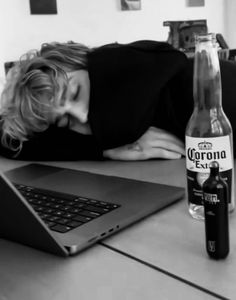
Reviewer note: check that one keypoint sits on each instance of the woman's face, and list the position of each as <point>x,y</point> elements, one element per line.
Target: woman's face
<point>74,100</point>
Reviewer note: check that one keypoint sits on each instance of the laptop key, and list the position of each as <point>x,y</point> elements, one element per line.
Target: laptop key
<point>82,219</point>
<point>71,203</point>
<point>60,228</point>
<point>74,224</point>
<point>62,221</point>
<point>58,213</point>
<point>99,210</point>
<point>74,210</point>
<point>66,208</point>
<point>61,201</point>
<point>82,199</point>
<point>49,223</point>
<point>55,205</point>
<point>39,209</point>
<point>44,216</point>
<point>80,205</point>
<point>48,204</point>
<point>68,215</point>
<point>89,214</point>
<point>48,210</point>
<point>91,201</point>
<point>53,218</point>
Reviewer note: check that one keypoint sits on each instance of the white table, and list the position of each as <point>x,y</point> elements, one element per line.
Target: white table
<point>161,257</point>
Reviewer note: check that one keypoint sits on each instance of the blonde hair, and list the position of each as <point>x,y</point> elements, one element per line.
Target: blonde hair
<point>30,94</point>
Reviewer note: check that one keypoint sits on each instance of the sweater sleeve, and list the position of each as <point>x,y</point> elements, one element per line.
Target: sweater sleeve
<point>126,87</point>
<point>56,144</point>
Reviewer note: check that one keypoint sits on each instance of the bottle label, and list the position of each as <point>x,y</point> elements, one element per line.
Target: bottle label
<point>211,246</point>
<point>211,198</point>
<point>200,152</point>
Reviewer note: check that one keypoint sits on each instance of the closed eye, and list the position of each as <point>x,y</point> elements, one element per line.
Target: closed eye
<point>76,94</point>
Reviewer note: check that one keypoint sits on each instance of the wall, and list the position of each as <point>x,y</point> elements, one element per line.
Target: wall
<point>95,22</point>
<point>230,24</point>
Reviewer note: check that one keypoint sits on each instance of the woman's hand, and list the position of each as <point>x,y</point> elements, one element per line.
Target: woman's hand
<point>154,143</point>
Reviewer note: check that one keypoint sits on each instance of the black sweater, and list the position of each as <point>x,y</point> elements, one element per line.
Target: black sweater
<point>132,87</point>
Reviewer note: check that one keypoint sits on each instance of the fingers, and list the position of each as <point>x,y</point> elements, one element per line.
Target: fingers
<point>154,133</point>
<point>131,154</point>
<point>154,143</point>
<point>168,146</point>
<point>168,136</point>
<point>164,154</point>
<point>123,154</point>
<point>158,138</point>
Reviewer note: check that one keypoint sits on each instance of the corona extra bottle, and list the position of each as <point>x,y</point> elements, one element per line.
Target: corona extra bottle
<point>208,133</point>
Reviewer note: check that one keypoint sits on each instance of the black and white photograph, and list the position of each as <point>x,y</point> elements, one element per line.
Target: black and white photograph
<point>130,4</point>
<point>117,150</point>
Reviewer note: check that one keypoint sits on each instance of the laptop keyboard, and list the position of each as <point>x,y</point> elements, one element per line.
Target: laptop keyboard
<point>64,212</point>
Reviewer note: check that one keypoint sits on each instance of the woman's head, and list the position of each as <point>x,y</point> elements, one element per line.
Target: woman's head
<point>69,56</point>
<point>33,90</point>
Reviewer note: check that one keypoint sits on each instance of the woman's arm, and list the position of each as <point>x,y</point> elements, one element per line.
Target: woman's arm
<point>57,144</point>
<point>154,143</point>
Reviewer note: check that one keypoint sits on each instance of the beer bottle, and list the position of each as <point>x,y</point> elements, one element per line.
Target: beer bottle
<point>208,133</point>
<point>215,199</point>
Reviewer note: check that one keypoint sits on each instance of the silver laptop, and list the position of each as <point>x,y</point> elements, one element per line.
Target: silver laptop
<point>63,211</point>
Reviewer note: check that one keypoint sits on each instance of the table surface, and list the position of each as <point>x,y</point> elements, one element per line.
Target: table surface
<point>160,257</point>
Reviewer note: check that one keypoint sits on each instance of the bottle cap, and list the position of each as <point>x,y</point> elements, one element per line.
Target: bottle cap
<point>214,164</point>
<point>204,37</point>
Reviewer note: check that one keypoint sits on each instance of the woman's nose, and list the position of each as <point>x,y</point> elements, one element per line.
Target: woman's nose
<point>83,117</point>
<point>79,113</point>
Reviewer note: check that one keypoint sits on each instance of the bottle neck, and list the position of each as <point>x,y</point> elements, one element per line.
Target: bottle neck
<point>214,172</point>
<point>207,78</point>
<point>214,169</point>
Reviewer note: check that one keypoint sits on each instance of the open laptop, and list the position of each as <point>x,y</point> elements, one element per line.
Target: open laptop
<point>63,211</point>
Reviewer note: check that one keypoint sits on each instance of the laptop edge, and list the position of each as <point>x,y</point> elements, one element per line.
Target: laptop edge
<point>24,232</point>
